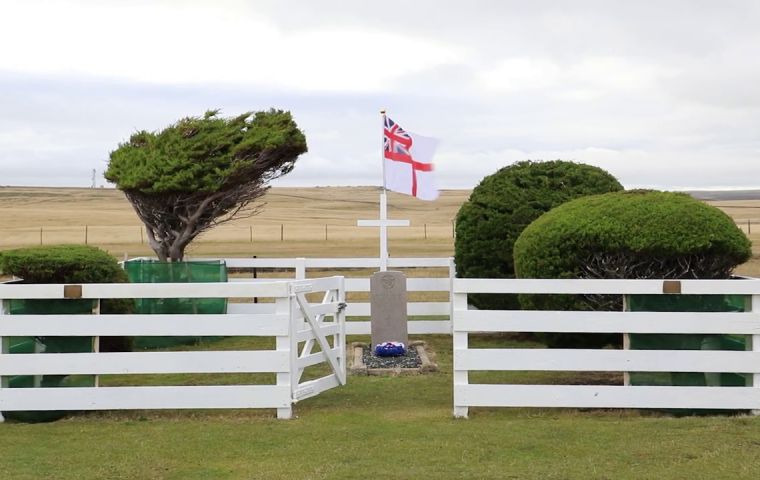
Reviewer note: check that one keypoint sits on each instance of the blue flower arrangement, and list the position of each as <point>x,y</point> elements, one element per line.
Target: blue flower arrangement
<point>390,349</point>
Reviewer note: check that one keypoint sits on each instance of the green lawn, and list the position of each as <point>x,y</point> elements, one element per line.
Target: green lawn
<point>378,427</point>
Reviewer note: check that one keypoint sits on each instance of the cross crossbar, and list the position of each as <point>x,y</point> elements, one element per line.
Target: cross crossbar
<point>383,222</point>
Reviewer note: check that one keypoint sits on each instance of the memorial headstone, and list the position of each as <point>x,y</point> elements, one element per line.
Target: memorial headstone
<point>388,307</point>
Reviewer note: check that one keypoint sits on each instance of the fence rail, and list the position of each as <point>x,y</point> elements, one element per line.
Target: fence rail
<point>467,360</point>
<point>439,311</point>
<point>290,322</point>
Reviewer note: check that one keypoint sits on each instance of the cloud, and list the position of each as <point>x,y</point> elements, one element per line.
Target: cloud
<point>729,79</point>
<point>661,94</point>
<point>519,74</point>
<point>589,78</point>
<point>206,43</point>
<point>662,169</point>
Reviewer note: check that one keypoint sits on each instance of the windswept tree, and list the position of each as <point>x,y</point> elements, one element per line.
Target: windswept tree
<point>202,171</point>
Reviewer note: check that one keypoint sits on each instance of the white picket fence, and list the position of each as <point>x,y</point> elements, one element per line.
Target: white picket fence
<point>292,321</point>
<point>300,266</point>
<point>466,359</point>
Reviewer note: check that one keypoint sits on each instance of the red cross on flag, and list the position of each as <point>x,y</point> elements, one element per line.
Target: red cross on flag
<point>408,161</point>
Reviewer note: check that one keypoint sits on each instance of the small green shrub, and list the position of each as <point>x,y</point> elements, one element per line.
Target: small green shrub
<point>634,234</point>
<point>503,204</point>
<point>61,264</point>
<point>69,264</point>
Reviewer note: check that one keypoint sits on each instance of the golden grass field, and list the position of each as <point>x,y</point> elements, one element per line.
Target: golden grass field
<point>34,215</point>
<point>298,216</point>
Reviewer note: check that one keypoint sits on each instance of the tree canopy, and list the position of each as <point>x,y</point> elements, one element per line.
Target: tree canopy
<point>202,171</point>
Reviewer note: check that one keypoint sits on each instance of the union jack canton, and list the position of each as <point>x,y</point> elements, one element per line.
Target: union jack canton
<point>396,142</point>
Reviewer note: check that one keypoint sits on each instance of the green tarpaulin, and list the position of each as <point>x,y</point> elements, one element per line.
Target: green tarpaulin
<point>151,271</point>
<point>687,303</point>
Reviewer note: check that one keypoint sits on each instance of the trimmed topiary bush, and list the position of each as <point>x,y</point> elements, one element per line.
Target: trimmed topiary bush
<point>503,204</point>
<point>61,264</point>
<point>634,234</point>
<point>68,264</point>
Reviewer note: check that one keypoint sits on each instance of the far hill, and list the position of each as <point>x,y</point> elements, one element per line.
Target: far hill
<point>725,194</point>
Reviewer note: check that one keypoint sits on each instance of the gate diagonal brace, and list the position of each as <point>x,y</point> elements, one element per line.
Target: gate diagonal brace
<point>309,344</point>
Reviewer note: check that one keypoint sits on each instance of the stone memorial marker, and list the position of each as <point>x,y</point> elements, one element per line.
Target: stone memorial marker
<point>388,307</point>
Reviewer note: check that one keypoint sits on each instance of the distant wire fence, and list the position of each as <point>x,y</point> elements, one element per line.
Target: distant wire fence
<point>282,232</point>
<point>747,226</point>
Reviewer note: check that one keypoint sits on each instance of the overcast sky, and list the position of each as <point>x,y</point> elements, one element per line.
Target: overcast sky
<point>662,94</point>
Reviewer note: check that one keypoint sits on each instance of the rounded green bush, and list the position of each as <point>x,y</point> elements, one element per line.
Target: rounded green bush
<point>69,264</point>
<point>503,204</point>
<point>62,264</point>
<point>633,234</point>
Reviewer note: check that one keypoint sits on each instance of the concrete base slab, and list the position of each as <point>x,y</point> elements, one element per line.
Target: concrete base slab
<point>356,365</point>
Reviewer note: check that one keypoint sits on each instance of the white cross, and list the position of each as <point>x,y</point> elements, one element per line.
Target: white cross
<point>383,223</point>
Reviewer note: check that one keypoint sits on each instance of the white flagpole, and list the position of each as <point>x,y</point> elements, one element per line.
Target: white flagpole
<point>383,221</point>
<point>383,206</point>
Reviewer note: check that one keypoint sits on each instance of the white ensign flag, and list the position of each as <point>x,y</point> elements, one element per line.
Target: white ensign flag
<point>408,161</point>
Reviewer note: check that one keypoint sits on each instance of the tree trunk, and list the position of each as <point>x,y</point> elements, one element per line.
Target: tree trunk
<point>173,220</point>
<point>177,252</point>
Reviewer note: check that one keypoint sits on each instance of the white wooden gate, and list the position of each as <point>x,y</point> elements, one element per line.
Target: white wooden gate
<point>310,327</point>
<point>294,321</point>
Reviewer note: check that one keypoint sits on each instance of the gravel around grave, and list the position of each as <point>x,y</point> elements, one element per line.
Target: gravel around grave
<point>409,360</point>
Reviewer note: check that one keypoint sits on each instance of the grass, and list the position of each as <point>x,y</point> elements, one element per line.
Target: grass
<point>377,427</point>
<point>371,440</point>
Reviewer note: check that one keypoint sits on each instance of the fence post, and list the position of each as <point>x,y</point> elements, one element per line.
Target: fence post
<point>283,313</point>
<point>425,227</point>
<point>250,229</point>
<point>40,235</point>
<point>86,231</point>
<point>4,348</point>
<point>300,268</point>
<point>340,318</point>
<point>282,232</point>
<point>749,228</point>
<point>626,345</point>
<point>460,340</point>
<point>452,274</point>
<point>142,239</point>
<point>96,340</point>
<point>325,232</point>
<point>755,348</point>
<point>255,275</point>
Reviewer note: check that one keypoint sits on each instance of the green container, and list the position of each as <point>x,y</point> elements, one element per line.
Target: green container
<point>688,303</point>
<point>48,344</point>
<point>152,271</point>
